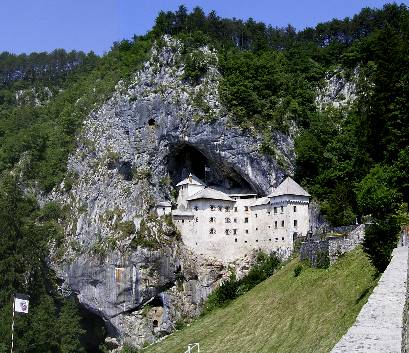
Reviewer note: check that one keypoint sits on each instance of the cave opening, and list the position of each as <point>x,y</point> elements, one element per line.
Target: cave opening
<point>95,331</point>
<point>184,159</point>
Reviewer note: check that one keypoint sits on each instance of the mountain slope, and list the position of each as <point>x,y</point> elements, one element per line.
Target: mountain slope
<point>308,313</point>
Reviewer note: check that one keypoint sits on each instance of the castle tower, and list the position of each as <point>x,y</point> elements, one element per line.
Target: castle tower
<point>188,187</point>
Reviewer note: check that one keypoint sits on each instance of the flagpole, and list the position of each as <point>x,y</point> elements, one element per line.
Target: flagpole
<point>12,329</point>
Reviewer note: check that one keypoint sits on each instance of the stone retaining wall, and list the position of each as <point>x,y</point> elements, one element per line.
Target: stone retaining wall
<point>322,251</point>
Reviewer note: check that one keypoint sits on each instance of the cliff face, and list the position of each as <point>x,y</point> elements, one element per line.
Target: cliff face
<point>132,151</point>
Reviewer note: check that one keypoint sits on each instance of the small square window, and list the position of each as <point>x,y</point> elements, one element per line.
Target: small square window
<point>235,220</point>
<point>282,238</point>
<point>247,231</point>
<point>246,208</point>
<point>235,240</point>
<point>256,215</point>
<point>235,209</point>
<point>256,240</point>
<point>246,220</point>
<point>295,208</point>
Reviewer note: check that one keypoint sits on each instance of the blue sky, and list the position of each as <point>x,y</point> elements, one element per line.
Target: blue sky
<point>43,25</point>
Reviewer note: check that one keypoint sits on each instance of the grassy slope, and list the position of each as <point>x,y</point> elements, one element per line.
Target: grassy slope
<point>309,313</point>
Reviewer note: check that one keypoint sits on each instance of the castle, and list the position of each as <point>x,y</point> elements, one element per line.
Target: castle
<point>227,225</point>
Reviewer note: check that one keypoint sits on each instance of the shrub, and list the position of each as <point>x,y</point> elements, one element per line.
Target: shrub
<point>232,288</point>
<point>298,270</point>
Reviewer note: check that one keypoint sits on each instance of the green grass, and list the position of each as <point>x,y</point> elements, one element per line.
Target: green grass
<point>308,313</point>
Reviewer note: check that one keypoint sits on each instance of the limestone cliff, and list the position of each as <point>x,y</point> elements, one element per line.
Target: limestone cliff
<point>131,152</point>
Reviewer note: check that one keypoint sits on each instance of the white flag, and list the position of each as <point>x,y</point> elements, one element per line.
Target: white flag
<point>21,303</point>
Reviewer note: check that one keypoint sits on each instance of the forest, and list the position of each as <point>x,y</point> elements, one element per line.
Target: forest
<point>354,160</point>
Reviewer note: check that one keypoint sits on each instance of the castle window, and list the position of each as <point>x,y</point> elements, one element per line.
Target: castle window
<point>246,220</point>
<point>196,208</point>
<point>247,231</point>
<point>256,215</point>
<point>212,231</point>
<point>256,240</point>
<point>235,209</point>
<point>245,241</point>
<point>282,209</point>
<point>282,238</point>
<point>183,221</point>
<point>235,240</point>
<point>256,228</point>
<point>246,208</point>
<point>268,212</point>
<point>197,219</point>
<point>275,210</point>
<point>219,208</point>
<point>234,231</point>
<point>295,223</point>
<point>282,223</point>
<point>212,208</point>
<point>227,220</point>
<point>269,239</point>
<point>212,219</point>
<point>275,224</point>
<point>269,226</point>
<point>235,220</point>
<point>276,239</point>
<point>227,209</point>
<point>295,208</point>
<point>227,231</point>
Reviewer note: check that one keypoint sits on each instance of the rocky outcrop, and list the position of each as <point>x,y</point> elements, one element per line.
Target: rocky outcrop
<point>129,156</point>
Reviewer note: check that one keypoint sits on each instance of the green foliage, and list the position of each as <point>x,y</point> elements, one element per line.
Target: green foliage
<point>381,238</point>
<point>195,66</point>
<point>127,227</point>
<point>297,270</point>
<point>129,349</point>
<point>232,288</point>
<point>69,328</point>
<point>322,259</point>
<point>155,232</point>
<point>26,231</point>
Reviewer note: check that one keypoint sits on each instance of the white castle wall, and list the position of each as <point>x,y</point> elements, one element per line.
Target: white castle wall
<point>227,230</point>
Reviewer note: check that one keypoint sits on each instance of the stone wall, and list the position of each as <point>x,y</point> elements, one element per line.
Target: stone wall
<point>321,251</point>
<point>379,326</point>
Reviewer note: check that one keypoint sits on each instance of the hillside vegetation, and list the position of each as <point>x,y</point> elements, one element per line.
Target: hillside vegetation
<point>307,313</point>
<point>354,160</point>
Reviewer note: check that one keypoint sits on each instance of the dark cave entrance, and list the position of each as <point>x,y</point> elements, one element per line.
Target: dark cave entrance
<point>95,331</point>
<point>184,159</point>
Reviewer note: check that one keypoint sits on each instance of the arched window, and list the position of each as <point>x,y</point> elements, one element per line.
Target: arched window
<point>227,220</point>
<point>212,219</point>
<point>212,231</point>
<point>227,231</point>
